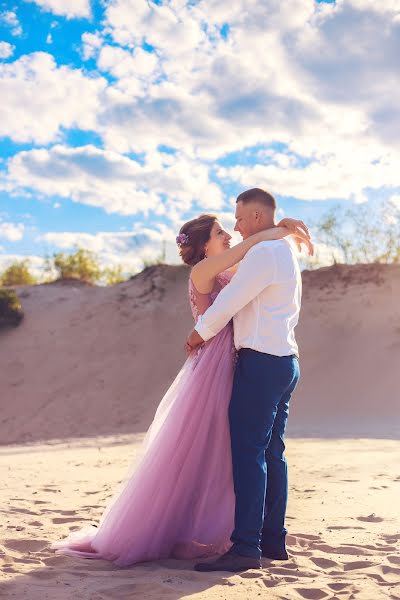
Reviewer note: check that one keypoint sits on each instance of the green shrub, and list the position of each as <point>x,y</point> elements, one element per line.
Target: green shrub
<point>113,275</point>
<point>82,265</point>
<point>11,313</point>
<point>17,274</point>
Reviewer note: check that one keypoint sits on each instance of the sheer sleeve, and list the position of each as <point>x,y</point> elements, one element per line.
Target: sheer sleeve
<point>200,302</point>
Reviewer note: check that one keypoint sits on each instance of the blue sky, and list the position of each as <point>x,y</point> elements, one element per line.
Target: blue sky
<point>122,119</point>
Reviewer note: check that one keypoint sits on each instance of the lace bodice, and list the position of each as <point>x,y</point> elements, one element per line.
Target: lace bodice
<point>200,302</point>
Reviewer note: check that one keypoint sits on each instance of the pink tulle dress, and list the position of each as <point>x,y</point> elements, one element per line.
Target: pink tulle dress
<point>178,500</point>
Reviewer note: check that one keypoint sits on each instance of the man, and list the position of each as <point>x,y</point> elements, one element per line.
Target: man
<point>264,300</point>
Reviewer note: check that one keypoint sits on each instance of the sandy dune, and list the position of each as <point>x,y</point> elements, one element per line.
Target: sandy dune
<point>90,361</point>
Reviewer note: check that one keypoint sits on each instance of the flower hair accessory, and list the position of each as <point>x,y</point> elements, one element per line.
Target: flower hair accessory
<point>182,239</point>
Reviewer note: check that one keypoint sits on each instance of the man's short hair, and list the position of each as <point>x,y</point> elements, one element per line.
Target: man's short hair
<point>259,195</point>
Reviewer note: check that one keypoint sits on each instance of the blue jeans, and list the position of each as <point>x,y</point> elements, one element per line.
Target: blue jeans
<point>258,412</point>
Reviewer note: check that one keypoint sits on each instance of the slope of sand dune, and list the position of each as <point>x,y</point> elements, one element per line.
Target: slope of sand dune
<point>90,360</point>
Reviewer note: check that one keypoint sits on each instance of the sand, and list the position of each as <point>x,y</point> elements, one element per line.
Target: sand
<point>343,522</point>
<point>80,380</point>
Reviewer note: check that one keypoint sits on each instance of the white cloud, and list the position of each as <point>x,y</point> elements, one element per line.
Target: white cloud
<point>127,248</point>
<point>6,50</point>
<point>174,28</point>
<point>122,63</point>
<point>395,200</point>
<point>78,9</point>
<point>38,98</point>
<point>320,80</point>
<point>385,7</point>
<point>341,174</point>
<point>10,19</point>
<point>99,242</point>
<point>165,184</point>
<point>91,44</point>
<point>11,231</point>
<point>302,81</point>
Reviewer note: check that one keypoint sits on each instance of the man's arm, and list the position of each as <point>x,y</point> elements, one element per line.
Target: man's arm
<point>256,271</point>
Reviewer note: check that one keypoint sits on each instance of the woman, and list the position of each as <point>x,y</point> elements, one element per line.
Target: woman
<point>178,500</point>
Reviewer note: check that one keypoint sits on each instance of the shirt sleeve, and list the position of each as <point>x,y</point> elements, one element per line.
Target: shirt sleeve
<point>256,271</point>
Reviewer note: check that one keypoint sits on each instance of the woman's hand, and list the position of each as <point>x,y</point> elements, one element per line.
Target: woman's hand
<point>193,341</point>
<point>300,233</point>
<point>295,226</point>
<point>299,240</point>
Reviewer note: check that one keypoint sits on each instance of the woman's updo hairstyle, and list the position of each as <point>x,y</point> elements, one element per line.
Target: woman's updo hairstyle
<point>192,238</point>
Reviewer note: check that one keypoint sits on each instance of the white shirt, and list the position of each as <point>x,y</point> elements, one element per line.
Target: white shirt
<point>263,297</point>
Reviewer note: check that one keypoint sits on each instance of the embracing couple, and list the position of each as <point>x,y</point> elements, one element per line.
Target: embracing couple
<point>212,476</point>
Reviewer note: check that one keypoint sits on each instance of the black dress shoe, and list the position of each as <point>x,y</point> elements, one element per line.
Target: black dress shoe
<point>230,561</point>
<point>274,553</point>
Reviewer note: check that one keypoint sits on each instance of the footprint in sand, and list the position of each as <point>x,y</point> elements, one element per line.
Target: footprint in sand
<point>299,539</point>
<point>58,520</point>
<point>370,519</point>
<point>338,587</point>
<point>311,593</point>
<point>381,580</point>
<point>299,574</point>
<point>307,536</point>
<point>23,511</point>
<point>391,538</point>
<point>289,565</point>
<point>324,563</point>
<point>272,582</point>
<point>300,552</point>
<point>344,527</point>
<point>358,564</point>
<point>250,575</point>
<point>67,512</point>
<point>138,590</point>
<point>44,574</point>
<point>26,545</point>
<point>25,560</point>
<point>391,570</point>
<point>8,570</point>
<point>352,550</point>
